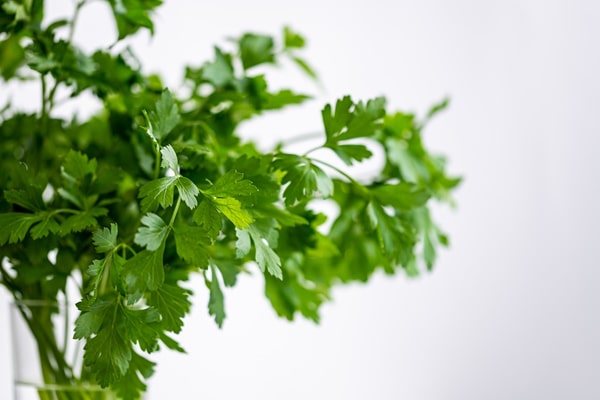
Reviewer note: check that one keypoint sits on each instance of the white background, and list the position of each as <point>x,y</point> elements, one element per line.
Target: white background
<point>512,309</point>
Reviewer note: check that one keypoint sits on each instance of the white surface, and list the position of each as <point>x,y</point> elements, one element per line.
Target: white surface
<point>511,311</point>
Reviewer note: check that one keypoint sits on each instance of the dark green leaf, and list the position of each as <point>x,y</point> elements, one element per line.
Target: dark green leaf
<point>193,245</point>
<point>144,271</point>
<point>207,216</point>
<point>172,302</point>
<point>158,192</point>
<point>304,179</point>
<point>402,196</point>
<point>105,239</point>
<point>220,71</point>
<point>256,49</point>
<point>216,301</point>
<point>15,226</point>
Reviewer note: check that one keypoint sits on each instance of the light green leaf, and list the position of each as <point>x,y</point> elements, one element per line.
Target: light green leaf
<point>232,209</point>
<point>231,184</point>
<point>188,191</point>
<point>154,234</point>
<point>263,237</point>
<point>169,158</point>
<point>292,39</point>
<point>158,192</point>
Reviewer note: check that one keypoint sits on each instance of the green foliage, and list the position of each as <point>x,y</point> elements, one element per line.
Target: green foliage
<point>157,186</point>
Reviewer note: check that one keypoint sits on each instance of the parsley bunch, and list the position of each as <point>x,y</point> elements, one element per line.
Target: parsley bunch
<point>158,185</point>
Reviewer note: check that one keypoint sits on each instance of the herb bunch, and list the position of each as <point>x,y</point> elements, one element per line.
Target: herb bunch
<point>158,185</point>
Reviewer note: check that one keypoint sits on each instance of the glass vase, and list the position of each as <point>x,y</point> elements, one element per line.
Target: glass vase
<point>47,361</point>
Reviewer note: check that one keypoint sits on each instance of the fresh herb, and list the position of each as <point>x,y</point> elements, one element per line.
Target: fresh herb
<point>158,186</point>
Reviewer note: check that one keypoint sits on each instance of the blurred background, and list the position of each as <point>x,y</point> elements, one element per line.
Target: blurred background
<point>512,309</point>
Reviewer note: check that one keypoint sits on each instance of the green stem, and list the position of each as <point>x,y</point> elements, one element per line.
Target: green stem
<point>312,150</point>
<point>175,211</point>
<point>354,182</point>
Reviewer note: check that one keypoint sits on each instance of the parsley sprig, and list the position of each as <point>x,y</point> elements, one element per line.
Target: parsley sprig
<point>158,185</point>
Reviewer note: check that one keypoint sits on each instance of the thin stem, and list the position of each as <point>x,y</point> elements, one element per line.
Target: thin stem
<point>157,164</point>
<point>175,211</point>
<point>338,170</point>
<point>311,150</point>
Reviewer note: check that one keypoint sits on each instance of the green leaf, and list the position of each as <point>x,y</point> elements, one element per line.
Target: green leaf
<point>292,39</point>
<point>77,165</point>
<point>132,15</point>
<point>107,350</point>
<point>172,302</point>
<point>165,118</point>
<point>232,184</point>
<point>105,239</point>
<point>154,234</point>
<point>232,209</point>
<point>264,238</point>
<point>395,242</point>
<point>47,225</point>
<point>402,196</point>
<point>256,49</point>
<point>220,71</point>
<point>82,220</point>
<point>283,98</point>
<point>216,301</point>
<point>144,271</point>
<point>142,327</point>
<point>188,191</point>
<point>304,66</point>
<point>169,158</point>
<point>131,385</point>
<point>304,179</point>
<point>223,196</point>
<point>15,226</point>
<point>193,245</point>
<point>349,153</point>
<point>351,121</point>
<point>158,192</point>
<point>12,56</point>
<point>207,216</point>
<point>438,107</point>
<point>29,197</point>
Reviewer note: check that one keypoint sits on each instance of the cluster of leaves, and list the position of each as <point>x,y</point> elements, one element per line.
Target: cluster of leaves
<point>156,187</point>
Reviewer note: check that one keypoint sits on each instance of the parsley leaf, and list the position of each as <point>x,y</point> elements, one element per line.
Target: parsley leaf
<point>154,234</point>
<point>105,239</point>
<point>193,245</point>
<point>216,301</point>
<point>172,302</point>
<point>256,49</point>
<point>15,226</point>
<point>303,177</point>
<point>264,236</point>
<point>349,121</point>
<point>144,271</point>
